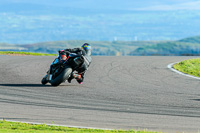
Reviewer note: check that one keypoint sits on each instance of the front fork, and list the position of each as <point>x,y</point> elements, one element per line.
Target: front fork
<point>49,75</point>
<point>49,72</point>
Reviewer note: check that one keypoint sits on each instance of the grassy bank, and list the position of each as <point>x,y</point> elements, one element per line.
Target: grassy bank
<point>24,53</point>
<point>18,127</point>
<point>191,67</point>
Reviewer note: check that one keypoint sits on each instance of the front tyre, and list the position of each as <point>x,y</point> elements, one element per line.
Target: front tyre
<point>62,77</point>
<point>44,81</point>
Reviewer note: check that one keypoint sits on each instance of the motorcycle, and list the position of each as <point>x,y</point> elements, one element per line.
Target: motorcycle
<point>61,70</point>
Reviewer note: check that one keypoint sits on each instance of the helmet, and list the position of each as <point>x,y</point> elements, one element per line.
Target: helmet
<point>87,48</point>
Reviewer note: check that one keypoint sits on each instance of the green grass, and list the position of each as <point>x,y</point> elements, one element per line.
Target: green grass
<point>191,67</point>
<point>25,53</point>
<point>18,127</point>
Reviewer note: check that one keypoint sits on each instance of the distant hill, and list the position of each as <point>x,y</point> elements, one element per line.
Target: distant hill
<point>195,39</point>
<point>98,47</point>
<point>184,47</point>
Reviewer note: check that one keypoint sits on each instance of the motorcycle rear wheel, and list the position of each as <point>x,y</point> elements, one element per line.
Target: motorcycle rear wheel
<point>62,77</point>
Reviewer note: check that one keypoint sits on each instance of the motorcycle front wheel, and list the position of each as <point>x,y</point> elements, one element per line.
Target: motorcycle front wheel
<point>44,81</point>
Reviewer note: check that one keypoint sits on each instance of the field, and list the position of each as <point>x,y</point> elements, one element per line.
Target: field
<point>191,67</point>
<point>16,127</point>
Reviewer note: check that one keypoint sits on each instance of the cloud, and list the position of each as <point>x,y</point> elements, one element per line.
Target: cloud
<point>195,5</point>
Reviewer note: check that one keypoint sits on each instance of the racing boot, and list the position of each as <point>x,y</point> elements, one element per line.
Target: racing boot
<point>78,78</point>
<point>71,77</point>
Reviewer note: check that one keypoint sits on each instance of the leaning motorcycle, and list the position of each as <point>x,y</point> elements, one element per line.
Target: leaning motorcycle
<point>61,70</point>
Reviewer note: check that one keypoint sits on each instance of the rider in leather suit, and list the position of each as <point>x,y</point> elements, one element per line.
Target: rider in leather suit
<point>84,51</point>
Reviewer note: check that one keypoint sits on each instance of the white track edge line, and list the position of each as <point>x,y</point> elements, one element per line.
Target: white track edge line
<point>170,66</point>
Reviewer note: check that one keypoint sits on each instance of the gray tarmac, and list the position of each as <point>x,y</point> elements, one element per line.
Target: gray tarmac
<point>136,92</point>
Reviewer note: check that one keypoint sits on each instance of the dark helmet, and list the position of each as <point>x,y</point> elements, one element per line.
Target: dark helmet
<point>87,48</point>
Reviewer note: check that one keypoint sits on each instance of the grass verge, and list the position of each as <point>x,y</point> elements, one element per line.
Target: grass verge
<point>18,127</point>
<point>25,53</point>
<point>191,67</point>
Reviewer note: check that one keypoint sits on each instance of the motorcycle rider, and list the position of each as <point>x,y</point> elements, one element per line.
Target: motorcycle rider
<point>85,52</point>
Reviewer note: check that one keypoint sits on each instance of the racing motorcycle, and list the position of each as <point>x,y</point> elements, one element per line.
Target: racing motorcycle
<point>61,70</point>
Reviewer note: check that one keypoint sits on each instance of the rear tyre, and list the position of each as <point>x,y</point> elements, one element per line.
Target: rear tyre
<point>62,77</point>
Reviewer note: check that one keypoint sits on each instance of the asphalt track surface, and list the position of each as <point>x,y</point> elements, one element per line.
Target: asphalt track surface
<point>118,93</point>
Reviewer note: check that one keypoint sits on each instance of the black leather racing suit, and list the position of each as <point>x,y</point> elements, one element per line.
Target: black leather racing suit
<point>87,61</point>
